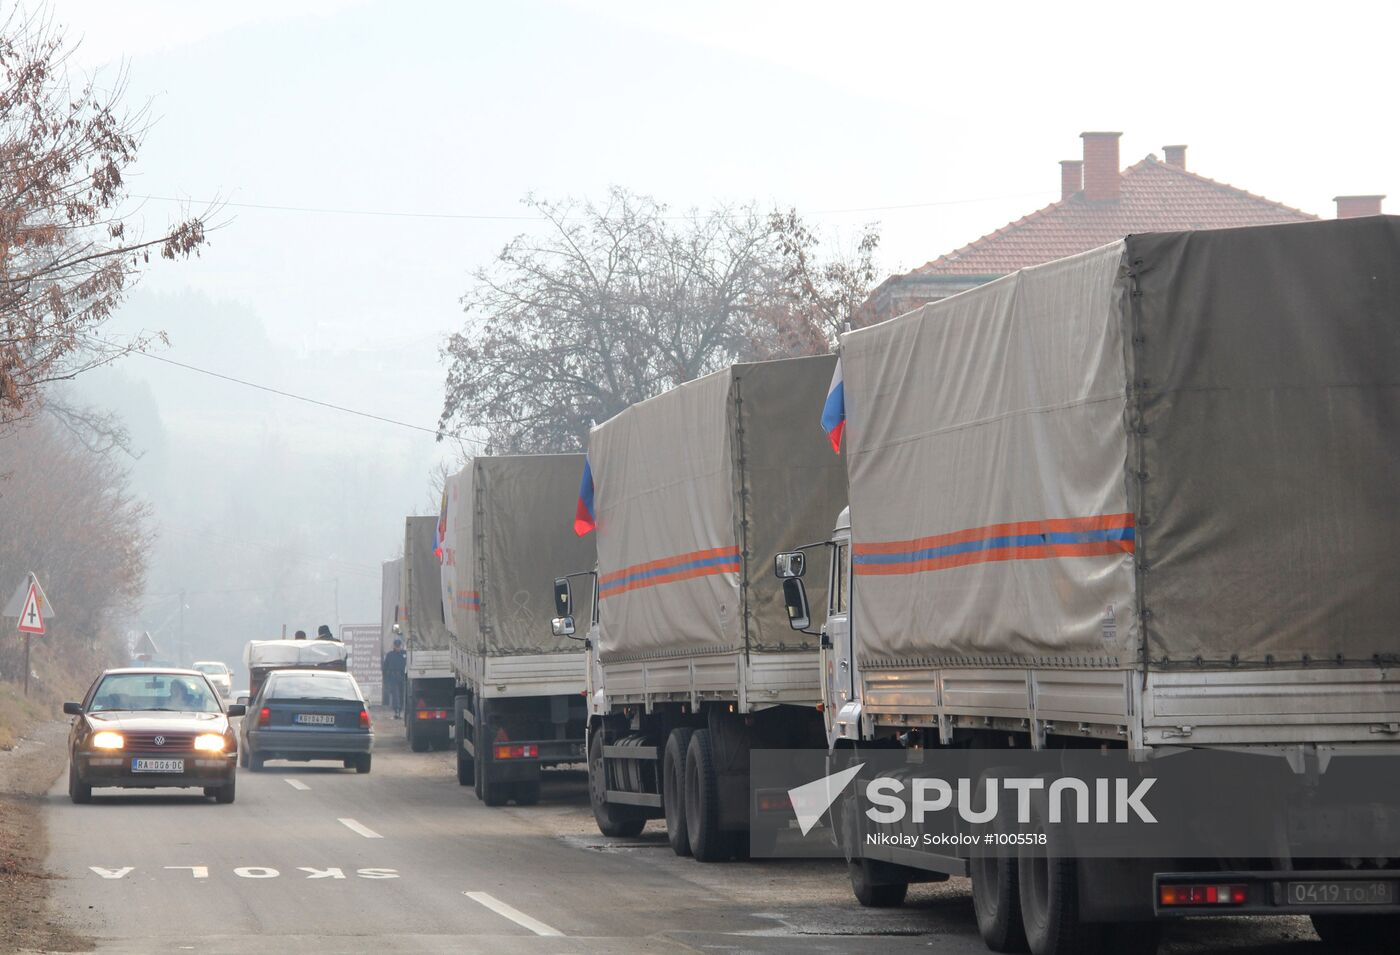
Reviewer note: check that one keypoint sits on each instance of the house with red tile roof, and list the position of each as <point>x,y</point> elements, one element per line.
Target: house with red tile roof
<point>1099,204</point>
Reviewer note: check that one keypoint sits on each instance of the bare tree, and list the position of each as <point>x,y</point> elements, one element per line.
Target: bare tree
<point>66,252</point>
<point>619,302</point>
<point>827,295</point>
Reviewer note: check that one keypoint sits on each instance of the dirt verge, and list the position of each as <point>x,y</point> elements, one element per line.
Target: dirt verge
<point>26,773</point>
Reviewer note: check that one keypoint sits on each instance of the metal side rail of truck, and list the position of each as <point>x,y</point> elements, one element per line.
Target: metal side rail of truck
<point>518,703</point>
<point>1138,501</point>
<point>691,664</point>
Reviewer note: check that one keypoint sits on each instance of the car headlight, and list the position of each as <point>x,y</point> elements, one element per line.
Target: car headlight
<point>210,742</point>
<point>107,740</point>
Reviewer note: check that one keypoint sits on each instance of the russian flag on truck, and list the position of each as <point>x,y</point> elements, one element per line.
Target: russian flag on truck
<point>584,520</point>
<point>834,411</point>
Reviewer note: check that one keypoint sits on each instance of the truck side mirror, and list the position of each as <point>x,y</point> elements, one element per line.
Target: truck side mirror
<point>795,597</point>
<point>563,626</point>
<point>790,566</point>
<point>563,599</point>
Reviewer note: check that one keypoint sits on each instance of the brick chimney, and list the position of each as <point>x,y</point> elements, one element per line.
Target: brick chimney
<point>1176,156</point>
<point>1350,207</point>
<point>1101,179</point>
<point>1071,177</point>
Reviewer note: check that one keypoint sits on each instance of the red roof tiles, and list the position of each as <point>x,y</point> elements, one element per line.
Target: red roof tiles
<point>1156,197</point>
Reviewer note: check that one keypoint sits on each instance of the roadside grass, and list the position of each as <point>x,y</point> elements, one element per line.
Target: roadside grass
<point>19,715</point>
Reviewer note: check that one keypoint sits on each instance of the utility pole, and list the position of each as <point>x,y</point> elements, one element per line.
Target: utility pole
<point>180,653</point>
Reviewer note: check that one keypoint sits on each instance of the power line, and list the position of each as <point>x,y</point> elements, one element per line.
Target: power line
<point>314,401</point>
<point>482,217</point>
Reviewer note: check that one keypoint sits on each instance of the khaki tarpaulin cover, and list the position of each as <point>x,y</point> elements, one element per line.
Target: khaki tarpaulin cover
<point>421,613</point>
<point>695,491</point>
<point>510,532</point>
<point>987,454</point>
<point>1186,443</point>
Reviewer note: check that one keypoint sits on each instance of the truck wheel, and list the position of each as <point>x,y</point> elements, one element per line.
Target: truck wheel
<point>78,791</point>
<point>707,842</point>
<point>673,789</point>
<point>1357,933</point>
<point>1049,893</point>
<point>873,894</point>
<point>439,739</point>
<point>996,893</point>
<point>618,822</point>
<point>996,901</point>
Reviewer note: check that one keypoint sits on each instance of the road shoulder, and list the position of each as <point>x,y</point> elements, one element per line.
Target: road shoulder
<point>26,773</point>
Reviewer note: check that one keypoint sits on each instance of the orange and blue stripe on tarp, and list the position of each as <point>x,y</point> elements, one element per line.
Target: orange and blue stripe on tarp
<point>1095,536</point>
<point>700,563</point>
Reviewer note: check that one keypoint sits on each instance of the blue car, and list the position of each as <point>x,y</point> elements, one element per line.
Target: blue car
<point>304,715</point>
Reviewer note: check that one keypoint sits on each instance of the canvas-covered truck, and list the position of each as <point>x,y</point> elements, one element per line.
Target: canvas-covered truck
<point>692,663</point>
<point>262,657</point>
<point>1141,499</point>
<point>430,672</point>
<point>519,705</point>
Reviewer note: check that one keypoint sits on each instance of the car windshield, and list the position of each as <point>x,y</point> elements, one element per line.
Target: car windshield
<point>289,687</point>
<point>171,692</point>
<point>216,669</point>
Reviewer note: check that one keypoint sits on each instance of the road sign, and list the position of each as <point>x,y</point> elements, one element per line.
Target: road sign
<point>31,616</point>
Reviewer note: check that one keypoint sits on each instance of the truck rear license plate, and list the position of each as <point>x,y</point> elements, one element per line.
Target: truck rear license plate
<point>320,719</point>
<point>1341,893</point>
<point>139,765</point>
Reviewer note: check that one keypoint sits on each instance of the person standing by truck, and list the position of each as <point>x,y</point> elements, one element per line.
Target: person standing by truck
<point>392,670</point>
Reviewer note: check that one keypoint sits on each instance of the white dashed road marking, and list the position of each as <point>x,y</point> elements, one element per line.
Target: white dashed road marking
<point>514,914</point>
<point>296,784</point>
<point>365,831</point>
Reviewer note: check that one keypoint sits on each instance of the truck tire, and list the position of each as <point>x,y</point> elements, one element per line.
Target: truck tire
<point>996,901</point>
<point>1357,933</point>
<point>996,893</point>
<point>439,738</point>
<point>618,822</point>
<point>489,790</point>
<point>1048,889</point>
<point>673,788</point>
<point>707,842</point>
<point>873,894</point>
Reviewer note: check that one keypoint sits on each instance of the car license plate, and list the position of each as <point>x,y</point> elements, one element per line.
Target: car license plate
<point>1341,893</point>
<point>319,719</point>
<point>139,765</point>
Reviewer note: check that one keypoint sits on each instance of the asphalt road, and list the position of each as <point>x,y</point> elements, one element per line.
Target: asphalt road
<point>316,859</point>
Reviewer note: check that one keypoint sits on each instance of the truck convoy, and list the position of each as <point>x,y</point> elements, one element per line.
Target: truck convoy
<point>691,661</point>
<point>1143,498</point>
<point>517,702</point>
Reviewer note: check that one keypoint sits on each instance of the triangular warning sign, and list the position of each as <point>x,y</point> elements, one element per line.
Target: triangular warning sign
<point>31,617</point>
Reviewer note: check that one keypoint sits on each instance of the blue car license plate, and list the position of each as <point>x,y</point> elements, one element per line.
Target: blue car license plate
<point>143,765</point>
